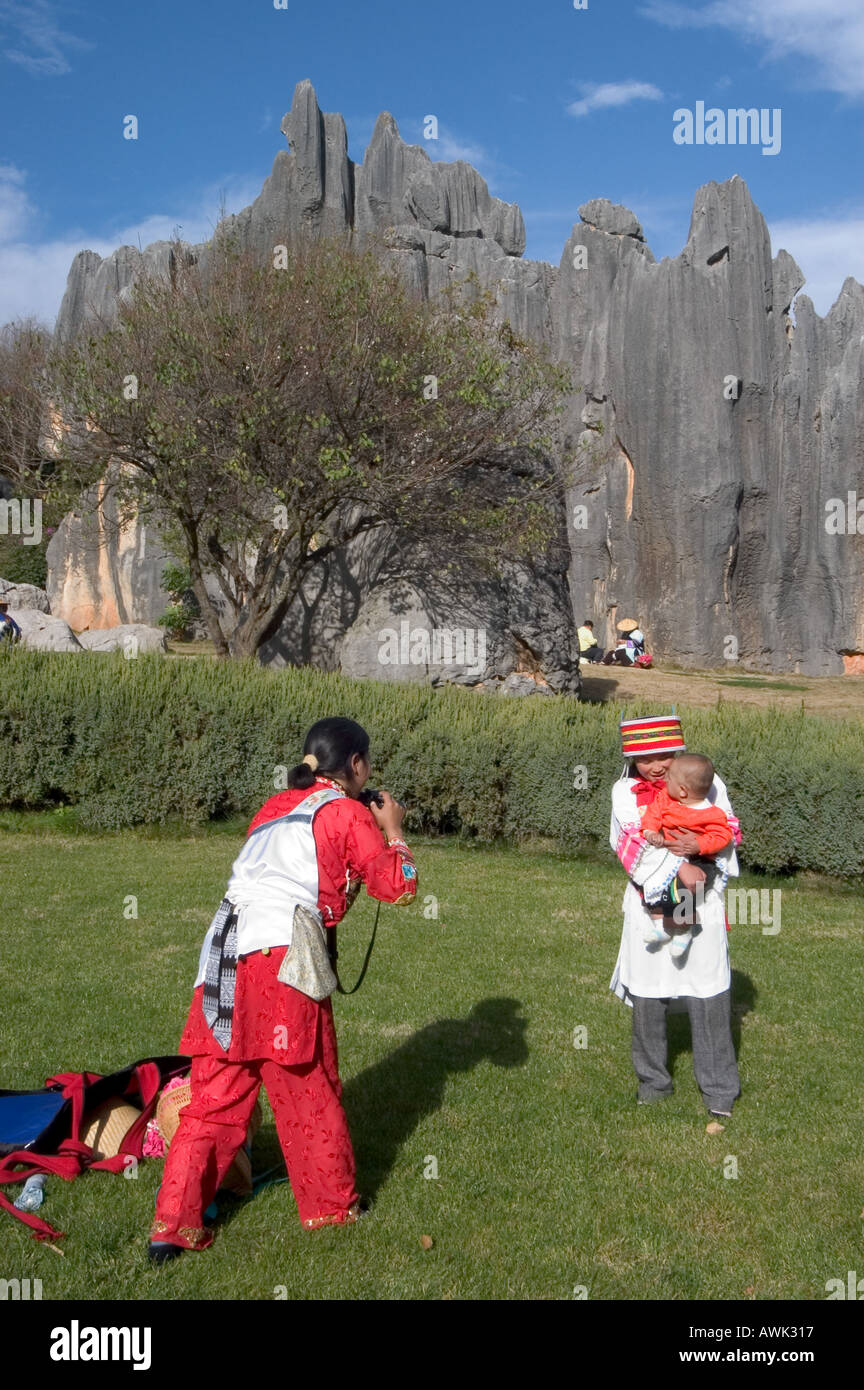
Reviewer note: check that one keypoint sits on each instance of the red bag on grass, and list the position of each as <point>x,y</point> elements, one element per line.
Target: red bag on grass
<point>39,1130</point>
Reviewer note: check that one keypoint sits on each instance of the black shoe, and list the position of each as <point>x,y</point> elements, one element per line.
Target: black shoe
<point>158,1251</point>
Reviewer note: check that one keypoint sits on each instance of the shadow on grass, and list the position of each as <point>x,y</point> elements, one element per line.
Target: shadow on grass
<point>597,690</point>
<point>744,995</point>
<point>387,1101</point>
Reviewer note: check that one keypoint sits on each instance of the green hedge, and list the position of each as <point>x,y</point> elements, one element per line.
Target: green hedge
<point>145,740</point>
<point>23,564</point>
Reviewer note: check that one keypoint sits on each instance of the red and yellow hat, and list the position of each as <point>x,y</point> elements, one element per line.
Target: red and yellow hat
<point>661,734</point>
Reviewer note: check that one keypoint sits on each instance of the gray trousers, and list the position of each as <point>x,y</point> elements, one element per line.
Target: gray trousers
<point>714,1062</point>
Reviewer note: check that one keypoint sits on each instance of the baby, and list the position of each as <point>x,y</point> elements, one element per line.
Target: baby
<point>683,805</point>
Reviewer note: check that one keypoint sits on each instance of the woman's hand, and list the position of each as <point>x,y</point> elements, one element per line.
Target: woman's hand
<point>691,876</point>
<point>683,842</point>
<point>389,816</point>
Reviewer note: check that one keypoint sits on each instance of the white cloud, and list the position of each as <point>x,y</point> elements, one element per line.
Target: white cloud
<point>601,96</point>
<point>449,149</point>
<point>827,250</point>
<point>828,33</point>
<point>16,209</point>
<point>30,36</point>
<point>34,272</point>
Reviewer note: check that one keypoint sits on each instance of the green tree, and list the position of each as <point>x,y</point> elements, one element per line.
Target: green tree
<point>24,466</point>
<point>266,415</point>
<point>24,348</point>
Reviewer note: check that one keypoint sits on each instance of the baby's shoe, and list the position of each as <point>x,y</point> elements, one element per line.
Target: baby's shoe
<point>654,930</point>
<point>680,943</point>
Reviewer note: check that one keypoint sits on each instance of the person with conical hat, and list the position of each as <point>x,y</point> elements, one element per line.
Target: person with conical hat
<point>649,976</point>
<point>629,647</point>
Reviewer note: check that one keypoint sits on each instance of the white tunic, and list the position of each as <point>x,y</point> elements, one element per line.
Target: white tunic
<point>276,869</point>
<point>649,970</point>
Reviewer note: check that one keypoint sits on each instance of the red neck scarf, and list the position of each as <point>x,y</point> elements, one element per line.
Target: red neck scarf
<point>646,791</point>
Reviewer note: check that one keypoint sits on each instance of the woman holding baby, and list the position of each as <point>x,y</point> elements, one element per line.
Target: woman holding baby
<point>674,953</point>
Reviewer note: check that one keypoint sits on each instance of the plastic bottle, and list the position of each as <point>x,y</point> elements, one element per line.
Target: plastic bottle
<point>32,1196</point>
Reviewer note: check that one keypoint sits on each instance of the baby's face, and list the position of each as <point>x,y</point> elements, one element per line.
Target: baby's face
<point>675,786</point>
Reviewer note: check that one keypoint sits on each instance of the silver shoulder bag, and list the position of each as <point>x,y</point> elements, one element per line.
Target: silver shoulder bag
<point>306,964</point>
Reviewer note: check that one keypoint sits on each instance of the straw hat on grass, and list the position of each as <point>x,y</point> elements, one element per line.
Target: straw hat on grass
<point>105,1128</point>
<point>239,1177</point>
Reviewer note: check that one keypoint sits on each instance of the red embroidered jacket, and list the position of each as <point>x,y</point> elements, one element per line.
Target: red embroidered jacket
<point>271,1020</point>
<point>351,849</point>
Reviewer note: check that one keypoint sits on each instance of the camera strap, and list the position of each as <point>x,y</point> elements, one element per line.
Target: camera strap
<point>334,955</point>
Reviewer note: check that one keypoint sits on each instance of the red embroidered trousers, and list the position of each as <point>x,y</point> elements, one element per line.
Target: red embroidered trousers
<point>310,1121</point>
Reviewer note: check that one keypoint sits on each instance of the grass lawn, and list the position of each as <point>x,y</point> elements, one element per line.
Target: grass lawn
<point>458,1048</point>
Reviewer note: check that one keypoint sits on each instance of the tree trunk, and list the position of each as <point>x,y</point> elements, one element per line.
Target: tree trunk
<point>248,634</point>
<point>211,617</point>
<point>199,588</point>
<point>259,617</point>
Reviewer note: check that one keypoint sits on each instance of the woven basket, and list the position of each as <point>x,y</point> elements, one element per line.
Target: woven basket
<point>169,1107</point>
<point>105,1128</point>
<point>239,1176</point>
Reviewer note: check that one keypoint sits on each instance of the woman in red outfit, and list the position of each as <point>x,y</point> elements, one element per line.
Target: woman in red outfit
<point>306,853</point>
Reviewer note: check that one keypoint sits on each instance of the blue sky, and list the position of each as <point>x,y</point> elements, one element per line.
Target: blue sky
<point>554,105</point>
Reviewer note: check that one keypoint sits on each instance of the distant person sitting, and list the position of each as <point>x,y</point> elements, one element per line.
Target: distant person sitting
<point>588,648</point>
<point>629,647</point>
<point>9,629</point>
<point>635,644</point>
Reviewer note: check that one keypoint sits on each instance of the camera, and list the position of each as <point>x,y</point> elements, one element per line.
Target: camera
<point>371,796</point>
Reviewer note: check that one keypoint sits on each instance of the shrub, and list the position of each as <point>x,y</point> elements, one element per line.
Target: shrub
<point>138,741</point>
<point>23,564</point>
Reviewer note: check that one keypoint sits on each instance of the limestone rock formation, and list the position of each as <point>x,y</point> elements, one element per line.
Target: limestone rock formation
<point>471,632</point>
<point>707,462</point>
<point>713,436</point>
<point>610,217</point>
<point>520,683</point>
<point>131,638</point>
<point>102,574</point>
<point>28,596</point>
<point>43,633</point>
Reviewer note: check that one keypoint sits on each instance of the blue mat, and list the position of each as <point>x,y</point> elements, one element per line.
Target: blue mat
<point>23,1116</point>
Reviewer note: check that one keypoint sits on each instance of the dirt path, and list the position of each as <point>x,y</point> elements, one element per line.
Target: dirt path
<point>840,696</point>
